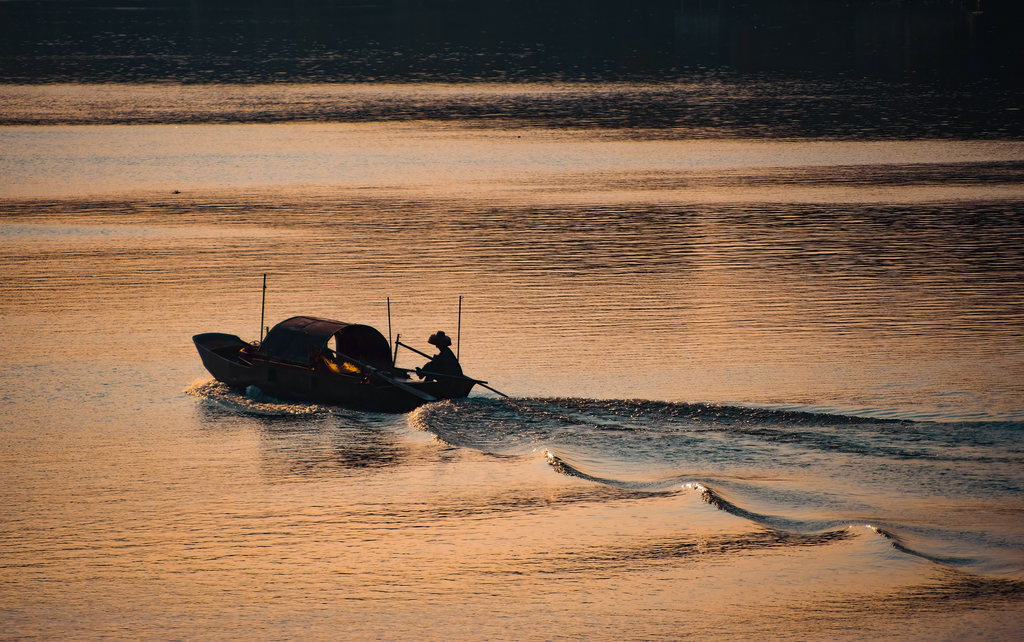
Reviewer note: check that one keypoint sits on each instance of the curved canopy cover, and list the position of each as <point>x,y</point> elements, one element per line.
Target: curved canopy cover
<point>299,340</point>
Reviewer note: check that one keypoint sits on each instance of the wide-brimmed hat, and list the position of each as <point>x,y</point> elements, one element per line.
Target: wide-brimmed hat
<point>440,339</point>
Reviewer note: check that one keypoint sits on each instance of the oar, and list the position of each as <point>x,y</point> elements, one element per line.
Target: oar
<point>407,347</point>
<point>482,384</point>
<point>380,375</point>
<point>443,375</point>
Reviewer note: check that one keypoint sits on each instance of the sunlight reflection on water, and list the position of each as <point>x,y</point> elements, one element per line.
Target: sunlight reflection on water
<point>600,269</point>
<point>878,298</point>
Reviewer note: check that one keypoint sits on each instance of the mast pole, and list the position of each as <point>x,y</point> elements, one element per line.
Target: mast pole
<point>389,323</point>
<point>458,332</point>
<point>263,305</point>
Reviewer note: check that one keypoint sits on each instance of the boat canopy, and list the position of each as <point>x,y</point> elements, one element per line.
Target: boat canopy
<point>300,340</point>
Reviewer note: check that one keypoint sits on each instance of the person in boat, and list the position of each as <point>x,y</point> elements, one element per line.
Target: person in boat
<point>445,362</point>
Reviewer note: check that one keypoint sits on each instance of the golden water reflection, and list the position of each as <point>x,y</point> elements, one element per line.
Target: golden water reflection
<point>604,270</point>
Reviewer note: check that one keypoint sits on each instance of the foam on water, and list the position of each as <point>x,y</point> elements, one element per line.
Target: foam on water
<point>253,401</point>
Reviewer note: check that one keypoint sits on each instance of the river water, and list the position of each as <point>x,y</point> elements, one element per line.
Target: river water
<point>761,385</point>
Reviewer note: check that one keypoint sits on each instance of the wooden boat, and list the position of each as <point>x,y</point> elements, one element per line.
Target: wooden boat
<point>324,361</point>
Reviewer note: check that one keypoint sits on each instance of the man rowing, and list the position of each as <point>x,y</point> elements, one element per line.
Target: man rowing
<point>445,362</point>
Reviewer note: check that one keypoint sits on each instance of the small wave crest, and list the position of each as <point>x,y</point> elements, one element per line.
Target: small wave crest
<point>718,500</point>
<point>561,465</point>
<point>898,542</point>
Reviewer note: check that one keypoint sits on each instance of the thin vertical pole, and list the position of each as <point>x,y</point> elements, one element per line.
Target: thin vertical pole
<point>263,305</point>
<point>458,332</point>
<point>389,323</point>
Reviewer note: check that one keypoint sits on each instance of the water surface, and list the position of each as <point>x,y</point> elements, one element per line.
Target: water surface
<point>760,386</point>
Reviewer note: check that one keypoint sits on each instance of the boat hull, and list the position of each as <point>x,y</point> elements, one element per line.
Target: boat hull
<point>224,357</point>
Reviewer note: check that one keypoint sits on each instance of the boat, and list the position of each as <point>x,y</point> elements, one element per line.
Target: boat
<point>310,359</point>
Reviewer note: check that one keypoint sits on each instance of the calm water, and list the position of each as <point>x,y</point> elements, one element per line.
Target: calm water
<point>761,386</point>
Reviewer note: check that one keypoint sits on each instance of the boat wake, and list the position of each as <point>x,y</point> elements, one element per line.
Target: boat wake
<point>832,528</point>
<point>792,472</point>
<point>789,471</point>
